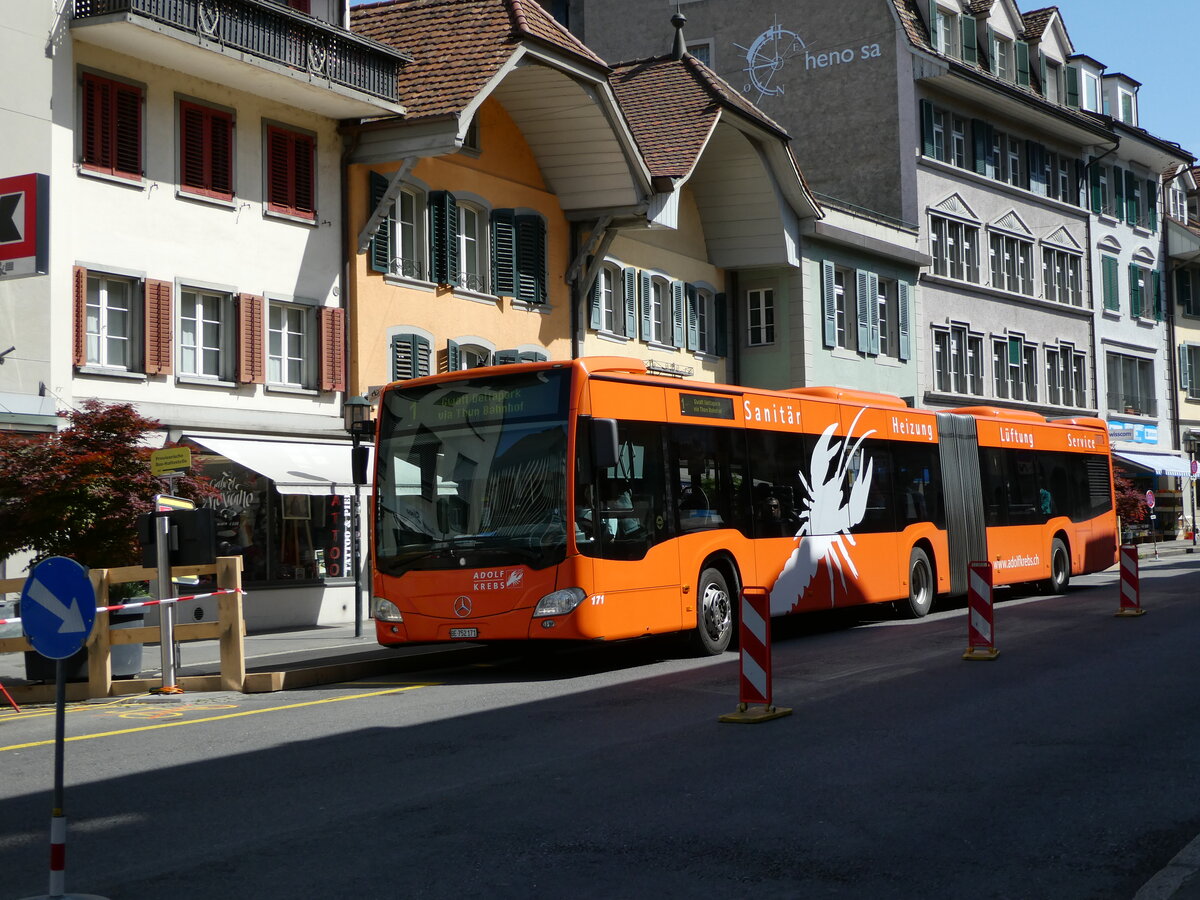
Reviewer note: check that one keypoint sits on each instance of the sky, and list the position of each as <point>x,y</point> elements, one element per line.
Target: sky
<point>1154,45</point>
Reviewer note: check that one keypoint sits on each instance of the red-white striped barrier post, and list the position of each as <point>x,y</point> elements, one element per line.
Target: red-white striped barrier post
<point>754,691</point>
<point>1131,590</point>
<point>981,620</point>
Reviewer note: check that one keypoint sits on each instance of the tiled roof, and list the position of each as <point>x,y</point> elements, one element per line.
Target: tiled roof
<point>671,106</point>
<point>1036,21</point>
<point>976,7</point>
<point>458,45</point>
<point>914,25</point>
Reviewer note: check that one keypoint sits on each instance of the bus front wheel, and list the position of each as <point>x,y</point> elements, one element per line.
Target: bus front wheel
<point>714,614</point>
<point>1060,568</point>
<point>920,585</point>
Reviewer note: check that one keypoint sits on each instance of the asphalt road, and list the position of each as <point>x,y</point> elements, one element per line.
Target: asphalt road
<point>1066,768</point>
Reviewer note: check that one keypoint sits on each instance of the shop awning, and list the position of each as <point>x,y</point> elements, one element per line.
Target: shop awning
<point>296,467</point>
<point>1162,463</point>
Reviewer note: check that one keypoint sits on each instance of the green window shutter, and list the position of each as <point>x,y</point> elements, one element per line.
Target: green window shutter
<point>379,251</point>
<point>531,356</point>
<point>720,315</point>
<point>981,134</point>
<point>873,311</point>
<point>531,258</point>
<point>1185,373</point>
<point>678,299</point>
<point>970,40</point>
<point>1112,297</point>
<point>931,20</point>
<point>993,51</point>
<point>1183,289</point>
<point>629,278</point>
<point>1044,73</point>
<point>829,303</point>
<point>1152,204</point>
<point>594,313</point>
<point>862,287</point>
<point>506,357</point>
<point>1072,84</point>
<point>928,147</point>
<point>410,356</point>
<point>692,298</point>
<point>1080,179</point>
<point>1156,280</point>
<point>443,237</point>
<point>504,253</point>
<point>453,356</point>
<point>1131,206</point>
<point>1118,180</point>
<point>1022,49</point>
<point>644,291</point>
<point>1094,181</point>
<point>1135,290</point>
<point>903,318</point>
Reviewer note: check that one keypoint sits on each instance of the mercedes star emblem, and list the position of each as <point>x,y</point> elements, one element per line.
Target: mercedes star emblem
<point>462,606</point>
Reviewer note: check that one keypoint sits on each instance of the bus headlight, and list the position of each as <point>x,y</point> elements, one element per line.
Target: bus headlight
<point>387,611</point>
<point>559,603</point>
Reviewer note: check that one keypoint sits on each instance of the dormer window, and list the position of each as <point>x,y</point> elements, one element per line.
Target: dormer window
<point>1090,91</point>
<point>1050,86</point>
<point>944,29</point>
<point>1004,60</point>
<point>1127,106</point>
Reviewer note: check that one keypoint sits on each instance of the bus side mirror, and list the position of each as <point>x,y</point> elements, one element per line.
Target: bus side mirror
<point>604,443</point>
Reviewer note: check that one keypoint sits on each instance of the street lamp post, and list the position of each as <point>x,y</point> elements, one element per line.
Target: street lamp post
<point>356,416</point>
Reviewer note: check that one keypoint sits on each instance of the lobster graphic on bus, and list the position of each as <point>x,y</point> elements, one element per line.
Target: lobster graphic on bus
<point>825,535</point>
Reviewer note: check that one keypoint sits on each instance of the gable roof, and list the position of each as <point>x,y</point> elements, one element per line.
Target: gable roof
<point>457,46</point>
<point>672,105</point>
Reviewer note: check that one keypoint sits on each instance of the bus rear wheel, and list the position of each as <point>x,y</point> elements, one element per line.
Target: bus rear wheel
<point>920,585</point>
<point>1060,568</point>
<point>714,614</point>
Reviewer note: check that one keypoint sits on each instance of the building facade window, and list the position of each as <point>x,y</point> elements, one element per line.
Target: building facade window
<point>1061,277</point>
<point>410,234</point>
<point>111,126</point>
<point>887,311</point>
<point>205,151</point>
<point>411,356</point>
<point>954,246</point>
<point>472,248</point>
<point>291,173</point>
<point>945,31</point>
<point>760,317</point>
<point>843,305</point>
<point>112,322</point>
<point>205,333</point>
<point>1131,385</point>
<point>957,360</point>
<point>1014,369</point>
<point>1012,264</point>
<point>1145,293</point>
<point>1066,376</point>
<point>288,344</point>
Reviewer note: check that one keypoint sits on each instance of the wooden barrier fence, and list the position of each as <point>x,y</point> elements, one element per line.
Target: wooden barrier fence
<point>229,630</point>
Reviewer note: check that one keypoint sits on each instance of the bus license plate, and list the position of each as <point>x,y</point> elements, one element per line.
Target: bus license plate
<point>464,633</point>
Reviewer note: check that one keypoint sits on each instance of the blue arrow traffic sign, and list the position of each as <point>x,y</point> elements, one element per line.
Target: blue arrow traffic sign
<point>58,607</point>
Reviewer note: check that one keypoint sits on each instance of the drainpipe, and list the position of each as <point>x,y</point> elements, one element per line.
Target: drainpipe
<point>348,148</point>
<point>573,287</point>
<point>734,375</point>
<point>1086,189</point>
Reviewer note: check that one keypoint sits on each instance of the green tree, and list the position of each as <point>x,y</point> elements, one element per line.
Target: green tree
<point>78,492</point>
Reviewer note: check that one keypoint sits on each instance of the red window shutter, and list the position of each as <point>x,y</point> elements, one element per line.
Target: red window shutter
<point>279,158</point>
<point>302,165</point>
<point>291,187</point>
<point>127,141</point>
<point>96,125</point>
<point>333,349</point>
<point>191,147</point>
<point>221,154</point>
<point>206,151</point>
<point>251,354</point>
<point>79,338</point>
<point>157,329</point>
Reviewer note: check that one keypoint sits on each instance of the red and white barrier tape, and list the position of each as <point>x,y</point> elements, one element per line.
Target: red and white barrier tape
<point>141,603</point>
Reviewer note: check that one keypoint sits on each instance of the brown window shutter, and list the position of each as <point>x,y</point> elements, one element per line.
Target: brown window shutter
<point>79,289</point>
<point>333,349</point>
<point>158,328</point>
<point>251,361</point>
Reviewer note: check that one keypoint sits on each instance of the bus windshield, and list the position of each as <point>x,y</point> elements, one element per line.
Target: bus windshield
<point>472,473</point>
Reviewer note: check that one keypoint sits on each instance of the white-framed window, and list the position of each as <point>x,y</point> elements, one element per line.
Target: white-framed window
<point>1014,368</point>
<point>1189,355</point>
<point>706,321</point>
<point>205,333</point>
<point>945,30</point>
<point>958,360</point>
<point>1051,88</point>
<point>939,134</point>
<point>1107,199</point>
<point>954,246</point>
<point>702,50</point>
<point>1005,64</point>
<point>1011,264</point>
<point>1127,106</point>
<point>472,248</point>
<point>112,321</point>
<point>660,311</point>
<point>845,306</point>
<point>1089,91</point>
<point>1014,162</point>
<point>410,234</point>
<point>959,154</point>
<point>889,327</point>
<point>1131,385</point>
<point>760,317</point>
<point>1177,203</point>
<point>1061,276</point>
<point>289,337</point>
<point>1066,376</point>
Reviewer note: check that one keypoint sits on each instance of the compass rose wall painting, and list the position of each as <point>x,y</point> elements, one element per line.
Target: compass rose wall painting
<point>779,52</point>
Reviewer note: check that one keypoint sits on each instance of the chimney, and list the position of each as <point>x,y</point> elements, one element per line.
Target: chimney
<point>680,48</point>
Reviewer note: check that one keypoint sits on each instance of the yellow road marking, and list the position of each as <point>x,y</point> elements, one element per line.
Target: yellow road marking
<point>40,712</point>
<point>236,715</point>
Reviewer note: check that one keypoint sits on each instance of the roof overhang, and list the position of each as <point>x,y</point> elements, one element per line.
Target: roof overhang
<point>1183,244</point>
<point>567,114</point>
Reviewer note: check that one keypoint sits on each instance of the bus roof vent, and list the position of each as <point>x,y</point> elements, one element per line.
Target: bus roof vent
<point>999,412</point>
<point>1082,422</point>
<point>845,395</point>
<point>593,364</point>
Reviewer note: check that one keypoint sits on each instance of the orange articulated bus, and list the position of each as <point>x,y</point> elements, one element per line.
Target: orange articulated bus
<point>590,500</point>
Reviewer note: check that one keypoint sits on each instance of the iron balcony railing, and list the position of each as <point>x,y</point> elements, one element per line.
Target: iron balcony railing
<point>273,33</point>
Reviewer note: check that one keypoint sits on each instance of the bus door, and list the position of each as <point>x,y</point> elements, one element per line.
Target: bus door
<point>623,524</point>
<point>966,532</point>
